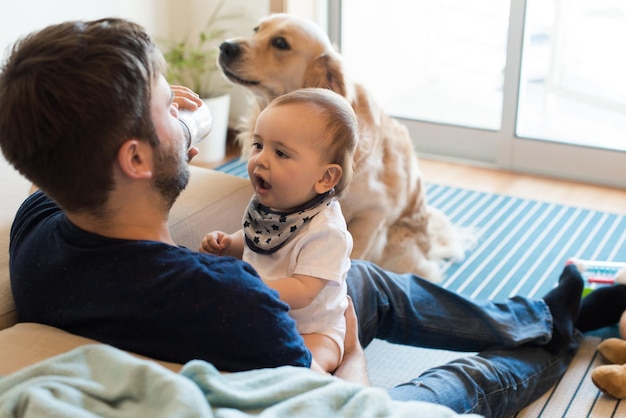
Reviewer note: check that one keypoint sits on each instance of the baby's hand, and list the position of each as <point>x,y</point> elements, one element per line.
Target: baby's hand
<point>216,242</point>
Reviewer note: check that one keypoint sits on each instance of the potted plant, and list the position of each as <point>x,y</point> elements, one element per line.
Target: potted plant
<point>193,63</point>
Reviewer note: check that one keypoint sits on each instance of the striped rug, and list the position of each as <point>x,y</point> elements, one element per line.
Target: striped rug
<point>522,247</point>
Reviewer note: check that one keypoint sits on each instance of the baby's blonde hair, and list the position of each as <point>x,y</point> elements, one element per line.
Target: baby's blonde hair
<point>342,132</point>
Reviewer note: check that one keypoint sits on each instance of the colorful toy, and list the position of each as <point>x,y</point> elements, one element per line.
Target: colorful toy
<point>599,273</point>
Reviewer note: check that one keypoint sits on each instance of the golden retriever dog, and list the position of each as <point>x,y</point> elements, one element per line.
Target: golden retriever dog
<point>385,207</point>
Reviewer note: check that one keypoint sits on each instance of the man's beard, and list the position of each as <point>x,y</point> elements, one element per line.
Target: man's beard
<point>171,174</point>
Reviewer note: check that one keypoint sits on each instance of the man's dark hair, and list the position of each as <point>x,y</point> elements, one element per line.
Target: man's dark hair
<point>70,95</point>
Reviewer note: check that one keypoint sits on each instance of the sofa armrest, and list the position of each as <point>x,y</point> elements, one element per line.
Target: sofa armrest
<point>25,344</point>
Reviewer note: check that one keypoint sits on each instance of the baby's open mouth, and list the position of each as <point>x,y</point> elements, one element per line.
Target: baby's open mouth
<point>262,184</point>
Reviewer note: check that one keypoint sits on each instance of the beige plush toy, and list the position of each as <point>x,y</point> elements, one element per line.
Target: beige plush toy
<point>611,378</point>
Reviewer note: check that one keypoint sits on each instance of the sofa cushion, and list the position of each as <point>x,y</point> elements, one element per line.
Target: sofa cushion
<point>27,343</point>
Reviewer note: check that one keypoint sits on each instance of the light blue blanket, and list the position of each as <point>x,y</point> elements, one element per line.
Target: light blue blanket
<point>99,380</point>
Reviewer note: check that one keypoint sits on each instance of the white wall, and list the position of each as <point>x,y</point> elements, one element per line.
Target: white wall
<point>315,10</point>
<point>18,18</point>
<point>163,20</point>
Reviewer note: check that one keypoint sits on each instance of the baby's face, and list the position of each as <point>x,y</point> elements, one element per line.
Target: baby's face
<point>286,164</point>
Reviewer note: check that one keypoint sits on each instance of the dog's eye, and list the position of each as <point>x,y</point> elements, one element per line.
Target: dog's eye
<point>281,43</point>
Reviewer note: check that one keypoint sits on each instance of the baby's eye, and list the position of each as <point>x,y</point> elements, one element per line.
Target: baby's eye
<point>281,154</point>
<point>257,145</point>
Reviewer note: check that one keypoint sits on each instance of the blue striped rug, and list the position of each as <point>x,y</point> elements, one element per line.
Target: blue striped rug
<point>236,167</point>
<point>523,244</point>
<point>522,247</point>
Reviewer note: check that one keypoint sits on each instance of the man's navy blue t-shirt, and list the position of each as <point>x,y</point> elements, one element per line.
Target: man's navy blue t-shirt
<point>147,297</point>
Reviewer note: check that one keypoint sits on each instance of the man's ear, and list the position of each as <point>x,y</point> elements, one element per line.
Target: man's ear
<point>330,178</point>
<point>134,159</point>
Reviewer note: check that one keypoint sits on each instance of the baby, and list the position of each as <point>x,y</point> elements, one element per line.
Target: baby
<point>294,233</point>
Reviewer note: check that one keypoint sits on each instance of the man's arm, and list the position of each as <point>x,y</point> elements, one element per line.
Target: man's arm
<point>353,367</point>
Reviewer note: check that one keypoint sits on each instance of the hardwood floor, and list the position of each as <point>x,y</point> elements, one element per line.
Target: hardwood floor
<point>583,195</point>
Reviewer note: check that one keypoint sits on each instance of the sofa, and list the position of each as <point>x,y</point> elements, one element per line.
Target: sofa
<point>212,200</point>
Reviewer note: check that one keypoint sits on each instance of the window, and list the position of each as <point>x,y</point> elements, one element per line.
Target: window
<point>533,86</point>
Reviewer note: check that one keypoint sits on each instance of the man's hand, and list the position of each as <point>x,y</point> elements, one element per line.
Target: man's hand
<point>353,368</point>
<point>186,98</point>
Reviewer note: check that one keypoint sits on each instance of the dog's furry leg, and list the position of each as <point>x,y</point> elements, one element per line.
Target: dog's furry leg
<point>419,244</point>
<point>414,250</point>
<point>366,229</point>
<point>448,241</point>
<point>406,252</point>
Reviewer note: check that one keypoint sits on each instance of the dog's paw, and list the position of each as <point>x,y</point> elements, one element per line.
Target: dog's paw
<point>449,241</point>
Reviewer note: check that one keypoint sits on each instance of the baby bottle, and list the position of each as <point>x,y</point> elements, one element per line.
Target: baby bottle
<point>196,124</point>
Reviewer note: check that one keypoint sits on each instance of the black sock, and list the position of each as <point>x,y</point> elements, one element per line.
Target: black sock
<point>564,303</point>
<point>601,308</point>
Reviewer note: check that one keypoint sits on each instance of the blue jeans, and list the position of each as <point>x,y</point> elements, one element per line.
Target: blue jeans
<point>511,368</point>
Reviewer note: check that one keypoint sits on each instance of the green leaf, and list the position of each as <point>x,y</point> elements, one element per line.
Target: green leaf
<point>194,64</point>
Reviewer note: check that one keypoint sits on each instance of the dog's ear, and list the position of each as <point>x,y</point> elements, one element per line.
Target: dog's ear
<point>326,72</point>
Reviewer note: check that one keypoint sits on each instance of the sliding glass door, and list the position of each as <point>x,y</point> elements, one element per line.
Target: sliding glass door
<point>534,86</point>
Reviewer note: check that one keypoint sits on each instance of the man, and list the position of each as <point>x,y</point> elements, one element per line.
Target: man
<point>87,116</point>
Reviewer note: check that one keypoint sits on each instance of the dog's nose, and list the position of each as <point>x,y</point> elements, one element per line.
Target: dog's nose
<point>229,50</point>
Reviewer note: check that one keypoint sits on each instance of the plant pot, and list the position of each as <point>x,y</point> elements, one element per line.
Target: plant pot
<point>213,148</point>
